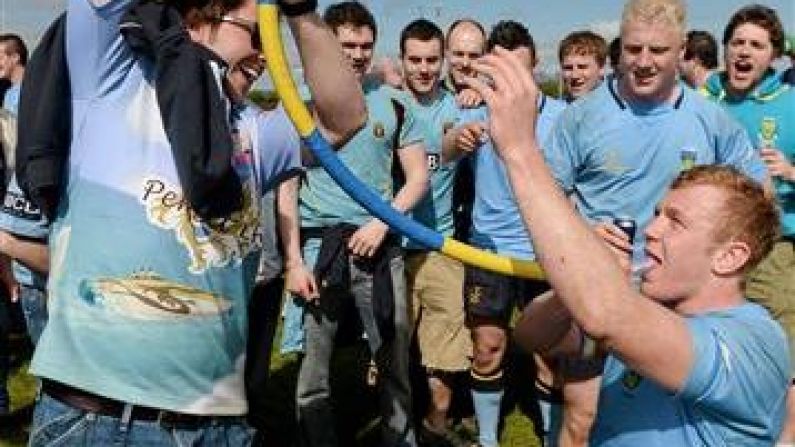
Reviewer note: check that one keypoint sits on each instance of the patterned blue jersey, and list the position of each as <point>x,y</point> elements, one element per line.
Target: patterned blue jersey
<point>147,302</point>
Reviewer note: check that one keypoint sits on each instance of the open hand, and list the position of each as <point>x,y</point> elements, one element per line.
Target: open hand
<point>366,240</point>
<point>511,100</point>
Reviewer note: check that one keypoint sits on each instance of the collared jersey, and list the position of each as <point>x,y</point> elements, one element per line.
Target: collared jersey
<point>147,302</point>
<point>435,209</point>
<point>497,224</point>
<point>768,115</point>
<point>618,159</point>
<point>369,155</point>
<point>734,395</point>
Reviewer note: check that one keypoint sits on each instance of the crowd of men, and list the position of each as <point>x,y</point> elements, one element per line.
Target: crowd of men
<point>155,218</point>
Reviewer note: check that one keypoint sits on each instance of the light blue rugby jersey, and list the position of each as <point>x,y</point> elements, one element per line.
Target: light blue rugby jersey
<point>147,303</point>
<point>21,217</point>
<point>618,159</point>
<point>435,210</point>
<point>369,155</point>
<point>734,395</point>
<point>496,222</point>
<point>768,115</point>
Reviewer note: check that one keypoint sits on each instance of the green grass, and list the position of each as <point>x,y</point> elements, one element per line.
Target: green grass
<point>356,404</point>
<point>22,389</point>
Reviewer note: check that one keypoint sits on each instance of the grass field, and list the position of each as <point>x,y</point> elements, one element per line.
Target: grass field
<point>356,404</point>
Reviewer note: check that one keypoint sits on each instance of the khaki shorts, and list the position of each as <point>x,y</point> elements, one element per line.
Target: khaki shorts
<point>772,285</point>
<point>435,283</point>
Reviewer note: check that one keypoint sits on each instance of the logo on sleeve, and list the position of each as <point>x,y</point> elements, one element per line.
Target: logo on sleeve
<point>19,206</point>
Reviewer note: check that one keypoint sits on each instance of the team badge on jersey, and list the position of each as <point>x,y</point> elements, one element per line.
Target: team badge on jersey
<point>434,162</point>
<point>687,159</point>
<point>768,132</point>
<point>613,163</point>
<point>378,130</point>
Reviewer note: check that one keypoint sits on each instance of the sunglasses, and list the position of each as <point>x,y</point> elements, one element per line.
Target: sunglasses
<point>250,26</point>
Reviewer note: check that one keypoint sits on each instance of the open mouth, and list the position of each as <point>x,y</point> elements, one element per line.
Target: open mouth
<point>743,67</point>
<point>576,83</point>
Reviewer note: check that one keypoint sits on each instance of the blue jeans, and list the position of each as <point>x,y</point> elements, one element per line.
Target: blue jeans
<point>58,424</point>
<point>34,307</point>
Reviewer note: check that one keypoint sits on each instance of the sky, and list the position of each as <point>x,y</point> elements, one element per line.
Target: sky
<point>548,20</point>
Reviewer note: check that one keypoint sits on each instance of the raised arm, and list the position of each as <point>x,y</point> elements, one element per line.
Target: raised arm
<point>584,274</point>
<point>336,94</point>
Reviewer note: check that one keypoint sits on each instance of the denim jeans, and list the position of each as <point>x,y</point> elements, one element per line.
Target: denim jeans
<point>321,323</point>
<point>34,307</point>
<point>58,424</point>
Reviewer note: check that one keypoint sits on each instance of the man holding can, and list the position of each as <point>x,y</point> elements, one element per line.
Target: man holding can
<point>690,362</point>
<point>616,151</point>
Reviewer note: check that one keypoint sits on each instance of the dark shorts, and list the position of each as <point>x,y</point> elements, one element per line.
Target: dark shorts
<point>492,296</point>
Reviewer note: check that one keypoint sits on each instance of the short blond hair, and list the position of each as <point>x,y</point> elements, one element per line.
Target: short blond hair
<point>666,12</point>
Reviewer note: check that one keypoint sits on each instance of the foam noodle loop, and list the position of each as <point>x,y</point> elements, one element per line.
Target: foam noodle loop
<point>283,82</point>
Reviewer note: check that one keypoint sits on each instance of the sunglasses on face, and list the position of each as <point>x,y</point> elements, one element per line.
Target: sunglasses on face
<point>250,26</point>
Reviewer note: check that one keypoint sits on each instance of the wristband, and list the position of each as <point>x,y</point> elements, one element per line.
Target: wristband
<point>297,9</point>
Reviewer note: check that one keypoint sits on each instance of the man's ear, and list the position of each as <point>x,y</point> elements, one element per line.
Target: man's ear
<point>730,258</point>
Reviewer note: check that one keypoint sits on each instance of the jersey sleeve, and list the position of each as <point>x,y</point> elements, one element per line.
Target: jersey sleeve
<point>738,367</point>
<point>20,217</point>
<point>561,150</point>
<point>413,130</point>
<point>97,56</point>
<point>278,149</point>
